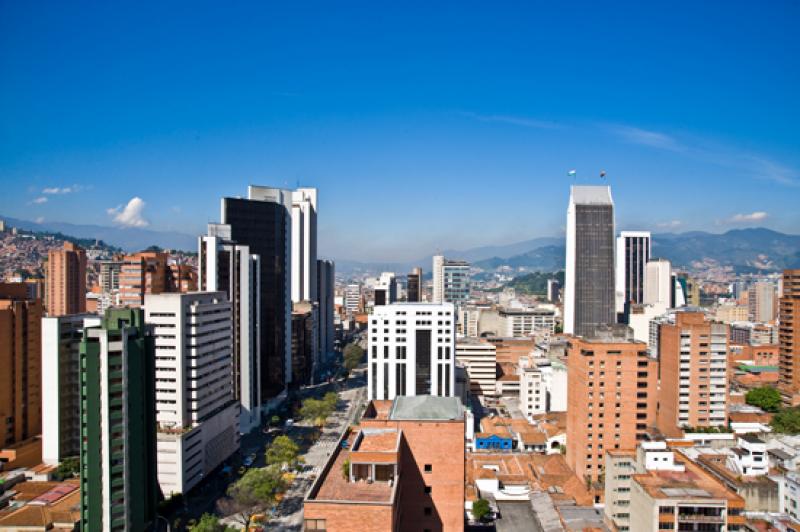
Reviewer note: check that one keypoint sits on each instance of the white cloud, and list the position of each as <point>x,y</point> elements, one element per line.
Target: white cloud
<point>40,200</point>
<point>654,139</point>
<point>62,190</point>
<point>513,120</point>
<point>672,224</point>
<point>756,216</point>
<point>131,214</point>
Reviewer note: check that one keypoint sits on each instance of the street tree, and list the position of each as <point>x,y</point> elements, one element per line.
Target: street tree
<point>282,452</point>
<point>210,523</point>
<point>258,488</point>
<point>315,410</point>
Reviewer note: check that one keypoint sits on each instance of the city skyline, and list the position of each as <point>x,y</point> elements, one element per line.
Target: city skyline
<point>481,106</point>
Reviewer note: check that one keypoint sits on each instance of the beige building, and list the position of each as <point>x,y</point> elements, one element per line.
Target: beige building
<point>480,360</point>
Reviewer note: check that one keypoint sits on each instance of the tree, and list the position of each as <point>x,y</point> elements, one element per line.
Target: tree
<point>315,410</point>
<point>257,488</point>
<point>282,452</point>
<point>210,523</point>
<point>275,421</point>
<point>766,398</point>
<point>346,469</point>
<point>480,509</point>
<point>331,399</point>
<point>786,421</point>
<point>353,356</point>
<point>68,468</point>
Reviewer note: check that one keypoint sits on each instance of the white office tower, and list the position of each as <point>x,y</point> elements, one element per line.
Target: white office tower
<point>352,298</point>
<point>762,302</point>
<point>326,283</point>
<point>411,350</point>
<point>589,276</point>
<point>385,289</point>
<point>553,289</point>
<point>61,394</point>
<point>451,280</point>
<point>633,252</point>
<point>225,266</point>
<point>659,285</point>
<point>304,244</point>
<point>196,414</point>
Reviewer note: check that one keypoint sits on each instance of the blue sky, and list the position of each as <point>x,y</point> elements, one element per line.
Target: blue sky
<point>424,126</point>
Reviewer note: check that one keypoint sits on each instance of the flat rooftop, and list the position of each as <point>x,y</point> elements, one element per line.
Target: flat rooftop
<point>692,484</point>
<point>426,407</point>
<point>333,486</point>
<point>378,440</point>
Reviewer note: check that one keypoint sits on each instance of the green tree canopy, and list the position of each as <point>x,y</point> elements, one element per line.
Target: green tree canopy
<point>282,451</point>
<point>258,488</point>
<point>68,468</point>
<point>210,523</point>
<point>353,356</point>
<point>315,410</point>
<point>766,398</point>
<point>480,509</point>
<point>787,421</point>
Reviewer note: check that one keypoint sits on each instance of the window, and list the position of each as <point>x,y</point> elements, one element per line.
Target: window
<point>428,468</point>
<point>315,524</point>
<point>427,489</point>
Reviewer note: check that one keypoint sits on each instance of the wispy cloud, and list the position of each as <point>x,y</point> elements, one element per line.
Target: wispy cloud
<point>644,137</point>
<point>131,214</point>
<point>756,216</point>
<point>522,121</point>
<point>672,224</point>
<point>62,190</point>
<point>40,200</point>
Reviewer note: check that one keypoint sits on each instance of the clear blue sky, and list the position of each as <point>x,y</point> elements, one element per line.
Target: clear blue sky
<point>424,125</point>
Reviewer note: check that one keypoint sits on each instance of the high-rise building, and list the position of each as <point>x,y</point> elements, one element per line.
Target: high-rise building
<point>611,397</point>
<point>263,222</point>
<point>633,252</point>
<point>385,289</point>
<point>589,278</point>
<point>142,273</point>
<point>66,280</point>
<point>789,338</point>
<point>304,244</point>
<point>326,284</point>
<point>305,334</point>
<point>553,290</point>
<point>451,280</point>
<point>414,288</point>
<point>352,298</point>
<point>693,366</point>
<point>411,350</point>
<point>20,365</point>
<point>196,413</point>
<point>224,265</point>
<point>119,486</point>
<point>61,392</point>
<point>761,302</point>
<point>659,285</point>
<point>110,271</point>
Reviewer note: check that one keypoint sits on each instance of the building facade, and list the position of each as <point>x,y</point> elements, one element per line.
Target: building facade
<point>142,273</point>
<point>196,412</point>
<point>658,288</point>
<point>789,338</point>
<point>762,302</point>
<point>589,298</point>
<point>479,357</point>
<point>414,286</point>
<point>352,298</point>
<point>411,350</point>
<point>304,244</point>
<point>451,280</point>
<point>66,280</point>
<point>326,286</point>
<point>633,252</point>
<point>119,487</point>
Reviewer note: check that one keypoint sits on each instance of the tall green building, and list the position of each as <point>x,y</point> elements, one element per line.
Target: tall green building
<point>119,487</point>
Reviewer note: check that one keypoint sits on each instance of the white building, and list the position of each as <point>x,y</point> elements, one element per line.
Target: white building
<point>304,244</point>
<point>480,360</point>
<point>789,495</point>
<point>451,280</point>
<point>61,395</point>
<point>523,322</point>
<point>640,317</point>
<point>633,252</point>
<point>750,456</point>
<point>225,266</point>
<point>542,386</point>
<point>762,302</point>
<point>352,298</point>
<point>385,288</point>
<point>658,284</point>
<point>411,350</point>
<point>196,413</point>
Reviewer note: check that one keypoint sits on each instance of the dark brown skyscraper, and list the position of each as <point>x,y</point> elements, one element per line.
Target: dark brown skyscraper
<point>414,289</point>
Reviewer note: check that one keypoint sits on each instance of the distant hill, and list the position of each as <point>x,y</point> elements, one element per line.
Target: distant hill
<point>534,283</point>
<point>127,238</point>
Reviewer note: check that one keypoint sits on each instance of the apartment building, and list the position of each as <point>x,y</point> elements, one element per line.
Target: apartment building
<point>403,469</point>
<point>119,487</point>
<point>789,338</point>
<point>762,304</point>
<point>352,298</point>
<point>196,413</point>
<point>611,397</point>
<point>411,350</point>
<point>142,273</point>
<point>693,356</point>
<point>66,280</point>
<point>61,394</point>
<point>542,386</point>
<point>479,358</point>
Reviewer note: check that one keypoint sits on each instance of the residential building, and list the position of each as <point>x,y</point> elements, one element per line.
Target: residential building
<point>305,328</point>
<point>411,350</point>
<point>352,298</point>
<point>451,280</point>
<point>633,253</point>
<point>181,277</point>
<point>119,486</point>
<point>142,273</point>
<point>414,286</point>
<point>226,266</point>
<point>304,244</point>
<point>385,290</point>
<point>61,394</point>
<point>326,284</point>
<point>658,287</point>
<point>789,338</point>
<point>611,397</point>
<point>693,366</point>
<point>553,291</point>
<point>589,299</point>
<point>522,322</point>
<point>731,312</point>
<point>39,504</point>
<point>196,413</point>
<point>542,386</point>
<point>110,272</point>
<point>403,469</point>
<point>66,280</point>
<point>20,363</point>
<point>689,287</point>
<point>480,360</point>
<point>761,302</point>
<point>263,222</point>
